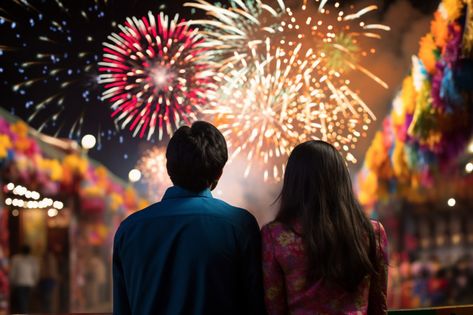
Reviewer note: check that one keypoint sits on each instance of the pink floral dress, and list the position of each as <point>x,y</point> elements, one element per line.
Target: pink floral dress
<point>286,291</point>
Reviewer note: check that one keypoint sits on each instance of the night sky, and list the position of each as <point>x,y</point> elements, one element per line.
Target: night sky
<point>25,33</point>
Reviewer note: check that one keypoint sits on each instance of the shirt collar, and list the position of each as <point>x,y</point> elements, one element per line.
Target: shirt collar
<point>176,192</point>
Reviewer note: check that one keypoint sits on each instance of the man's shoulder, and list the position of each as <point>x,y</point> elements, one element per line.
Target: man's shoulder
<point>134,217</point>
<point>210,207</point>
<point>233,212</point>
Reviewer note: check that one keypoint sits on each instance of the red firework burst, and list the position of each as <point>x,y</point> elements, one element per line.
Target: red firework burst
<point>155,73</point>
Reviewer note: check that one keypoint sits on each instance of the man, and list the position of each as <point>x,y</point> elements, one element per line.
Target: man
<point>24,275</point>
<point>189,254</point>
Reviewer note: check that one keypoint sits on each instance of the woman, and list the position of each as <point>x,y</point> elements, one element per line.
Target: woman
<point>322,255</point>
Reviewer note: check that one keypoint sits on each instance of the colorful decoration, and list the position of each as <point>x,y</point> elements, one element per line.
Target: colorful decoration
<point>23,161</point>
<point>283,76</point>
<point>431,121</point>
<point>155,74</point>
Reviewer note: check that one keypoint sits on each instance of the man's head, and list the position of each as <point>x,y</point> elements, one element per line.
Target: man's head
<point>196,156</point>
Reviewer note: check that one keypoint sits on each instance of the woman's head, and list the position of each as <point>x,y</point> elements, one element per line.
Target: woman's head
<point>338,237</point>
<point>320,173</point>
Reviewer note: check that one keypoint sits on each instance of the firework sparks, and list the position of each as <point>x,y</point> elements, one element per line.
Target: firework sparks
<point>335,36</point>
<point>153,167</point>
<point>258,109</point>
<point>234,32</point>
<point>337,114</point>
<point>329,42</point>
<point>63,62</point>
<point>155,73</point>
<point>49,51</point>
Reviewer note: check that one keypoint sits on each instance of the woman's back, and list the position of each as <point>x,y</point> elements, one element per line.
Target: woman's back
<point>285,278</point>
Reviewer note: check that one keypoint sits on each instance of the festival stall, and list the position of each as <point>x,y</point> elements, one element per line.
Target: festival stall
<point>417,174</point>
<point>57,200</point>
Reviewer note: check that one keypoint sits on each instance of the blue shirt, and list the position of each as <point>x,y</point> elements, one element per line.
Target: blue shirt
<point>188,254</point>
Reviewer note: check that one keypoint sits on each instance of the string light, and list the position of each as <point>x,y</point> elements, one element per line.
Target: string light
<point>469,167</point>
<point>32,199</point>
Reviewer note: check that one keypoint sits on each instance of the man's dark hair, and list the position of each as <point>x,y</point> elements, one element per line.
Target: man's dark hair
<point>196,156</point>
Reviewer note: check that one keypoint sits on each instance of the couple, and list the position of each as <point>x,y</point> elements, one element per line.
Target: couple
<point>197,255</point>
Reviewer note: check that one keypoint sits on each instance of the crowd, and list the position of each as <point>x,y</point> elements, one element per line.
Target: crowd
<point>430,282</point>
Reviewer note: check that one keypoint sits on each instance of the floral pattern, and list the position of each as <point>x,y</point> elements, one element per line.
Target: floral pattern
<point>286,290</point>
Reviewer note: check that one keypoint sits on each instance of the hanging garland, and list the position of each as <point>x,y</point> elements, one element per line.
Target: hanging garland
<point>431,120</point>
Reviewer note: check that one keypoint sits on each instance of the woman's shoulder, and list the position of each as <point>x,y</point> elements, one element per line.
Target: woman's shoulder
<point>276,231</point>
<point>272,227</point>
<point>276,228</point>
<point>381,237</point>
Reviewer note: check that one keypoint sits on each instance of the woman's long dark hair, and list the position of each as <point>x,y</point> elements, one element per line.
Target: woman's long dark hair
<point>339,239</point>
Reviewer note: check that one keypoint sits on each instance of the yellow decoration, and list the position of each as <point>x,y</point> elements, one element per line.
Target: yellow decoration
<point>93,191</point>
<point>368,188</point>
<point>102,176</point>
<point>451,9</point>
<point>398,112</point>
<point>143,203</point>
<point>408,95</point>
<point>76,164</point>
<point>423,102</point>
<point>376,153</point>
<point>55,170</point>
<point>5,145</point>
<point>22,144</point>
<point>130,197</point>
<point>399,161</point>
<point>427,52</point>
<point>439,29</point>
<point>19,128</point>
<point>52,167</point>
<point>116,201</point>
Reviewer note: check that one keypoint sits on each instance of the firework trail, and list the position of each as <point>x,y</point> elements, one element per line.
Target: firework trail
<point>156,74</point>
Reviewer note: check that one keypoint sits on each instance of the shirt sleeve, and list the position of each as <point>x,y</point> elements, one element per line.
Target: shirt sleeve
<point>379,283</point>
<point>121,304</point>
<point>275,293</point>
<point>252,272</point>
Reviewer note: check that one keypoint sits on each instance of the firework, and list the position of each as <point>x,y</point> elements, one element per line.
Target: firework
<point>337,113</point>
<point>49,51</point>
<point>258,109</point>
<point>155,74</point>
<point>234,32</point>
<point>54,63</point>
<point>335,36</point>
<point>153,167</point>
<point>332,43</point>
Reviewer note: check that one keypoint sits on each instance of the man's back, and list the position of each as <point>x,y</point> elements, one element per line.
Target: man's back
<point>188,254</point>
